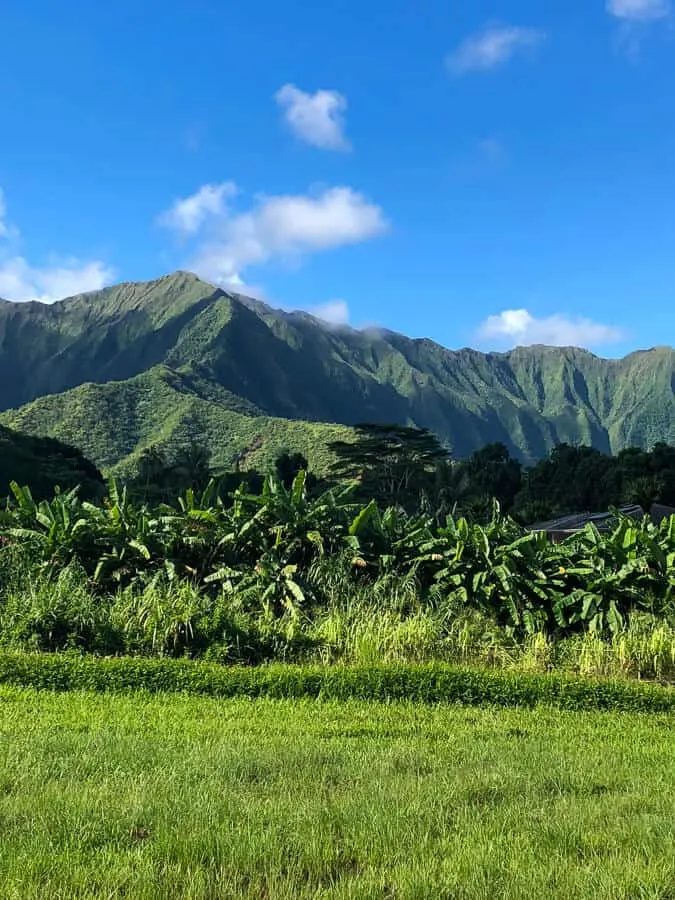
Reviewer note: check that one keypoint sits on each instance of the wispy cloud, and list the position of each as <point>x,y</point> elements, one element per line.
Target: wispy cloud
<point>22,280</point>
<point>634,20</point>
<point>317,119</point>
<point>518,327</point>
<point>286,227</point>
<point>493,46</point>
<point>639,10</point>
<point>193,137</point>
<point>189,214</point>
<point>490,151</point>
<point>334,312</point>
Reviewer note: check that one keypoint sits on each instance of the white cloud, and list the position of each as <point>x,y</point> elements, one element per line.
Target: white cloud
<point>20,280</point>
<point>335,312</point>
<point>639,10</point>
<point>492,47</point>
<point>519,327</point>
<point>285,227</point>
<point>189,214</point>
<point>315,118</point>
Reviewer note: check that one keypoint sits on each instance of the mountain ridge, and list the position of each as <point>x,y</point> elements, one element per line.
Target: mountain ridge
<point>240,356</point>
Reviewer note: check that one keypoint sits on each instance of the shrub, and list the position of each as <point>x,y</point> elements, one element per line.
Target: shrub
<point>423,684</point>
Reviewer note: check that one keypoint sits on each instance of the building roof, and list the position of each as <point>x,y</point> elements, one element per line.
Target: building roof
<point>572,523</point>
<point>659,512</point>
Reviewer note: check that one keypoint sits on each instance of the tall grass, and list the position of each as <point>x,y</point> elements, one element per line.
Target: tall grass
<point>384,621</point>
<point>645,648</point>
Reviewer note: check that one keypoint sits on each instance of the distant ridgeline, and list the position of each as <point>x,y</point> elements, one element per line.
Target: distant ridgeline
<point>175,361</point>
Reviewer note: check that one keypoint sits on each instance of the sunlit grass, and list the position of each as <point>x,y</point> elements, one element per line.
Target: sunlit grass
<point>387,623</point>
<point>185,797</point>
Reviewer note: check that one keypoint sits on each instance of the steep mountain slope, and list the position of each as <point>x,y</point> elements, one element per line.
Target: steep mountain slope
<point>106,335</point>
<point>124,367</point>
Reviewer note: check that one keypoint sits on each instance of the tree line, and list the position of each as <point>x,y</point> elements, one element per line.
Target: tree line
<point>408,467</point>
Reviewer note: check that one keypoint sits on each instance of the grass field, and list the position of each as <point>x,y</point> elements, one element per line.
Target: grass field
<point>169,796</point>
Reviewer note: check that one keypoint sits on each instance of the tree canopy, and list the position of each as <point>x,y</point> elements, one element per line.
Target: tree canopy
<point>394,464</point>
<point>43,464</point>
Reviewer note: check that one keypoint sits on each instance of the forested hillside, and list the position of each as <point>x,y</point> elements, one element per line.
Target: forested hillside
<point>121,369</point>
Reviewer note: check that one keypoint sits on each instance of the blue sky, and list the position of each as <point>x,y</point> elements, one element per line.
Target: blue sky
<point>484,173</point>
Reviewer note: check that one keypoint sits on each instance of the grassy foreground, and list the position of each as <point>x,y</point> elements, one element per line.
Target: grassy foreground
<point>174,796</point>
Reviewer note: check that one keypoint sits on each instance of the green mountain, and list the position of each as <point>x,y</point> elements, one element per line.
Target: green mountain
<point>43,464</point>
<point>116,370</point>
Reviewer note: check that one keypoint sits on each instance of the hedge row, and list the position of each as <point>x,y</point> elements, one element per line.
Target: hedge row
<point>433,683</point>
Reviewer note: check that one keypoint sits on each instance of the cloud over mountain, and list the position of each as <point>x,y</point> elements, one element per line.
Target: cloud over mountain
<point>519,327</point>
<point>58,277</point>
<point>285,227</point>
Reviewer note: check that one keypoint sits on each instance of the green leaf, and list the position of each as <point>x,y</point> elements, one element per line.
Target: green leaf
<point>362,518</point>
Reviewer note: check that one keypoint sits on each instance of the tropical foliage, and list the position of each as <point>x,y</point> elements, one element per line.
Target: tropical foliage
<point>192,575</point>
<point>409,467</point>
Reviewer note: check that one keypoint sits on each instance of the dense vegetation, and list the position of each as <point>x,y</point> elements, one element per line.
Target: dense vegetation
<point>173,797</point>
<point>394,465</point>
<point>409,467</point>
<point>290,574</point>
<point>429,683</point>
<point>174,360</point>
<point>45,464</point>
<point>218,543</point>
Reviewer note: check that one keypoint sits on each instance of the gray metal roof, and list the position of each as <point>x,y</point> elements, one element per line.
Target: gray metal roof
<point>577,521</point>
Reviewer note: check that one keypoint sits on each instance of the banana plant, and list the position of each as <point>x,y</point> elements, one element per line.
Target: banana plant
<point>264,548</point>
<point>54,528</point>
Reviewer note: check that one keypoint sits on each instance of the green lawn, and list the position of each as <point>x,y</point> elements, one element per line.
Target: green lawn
<point>171,796</point>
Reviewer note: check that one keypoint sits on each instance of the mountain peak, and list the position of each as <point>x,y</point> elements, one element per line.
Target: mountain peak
<point>183,277</point>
